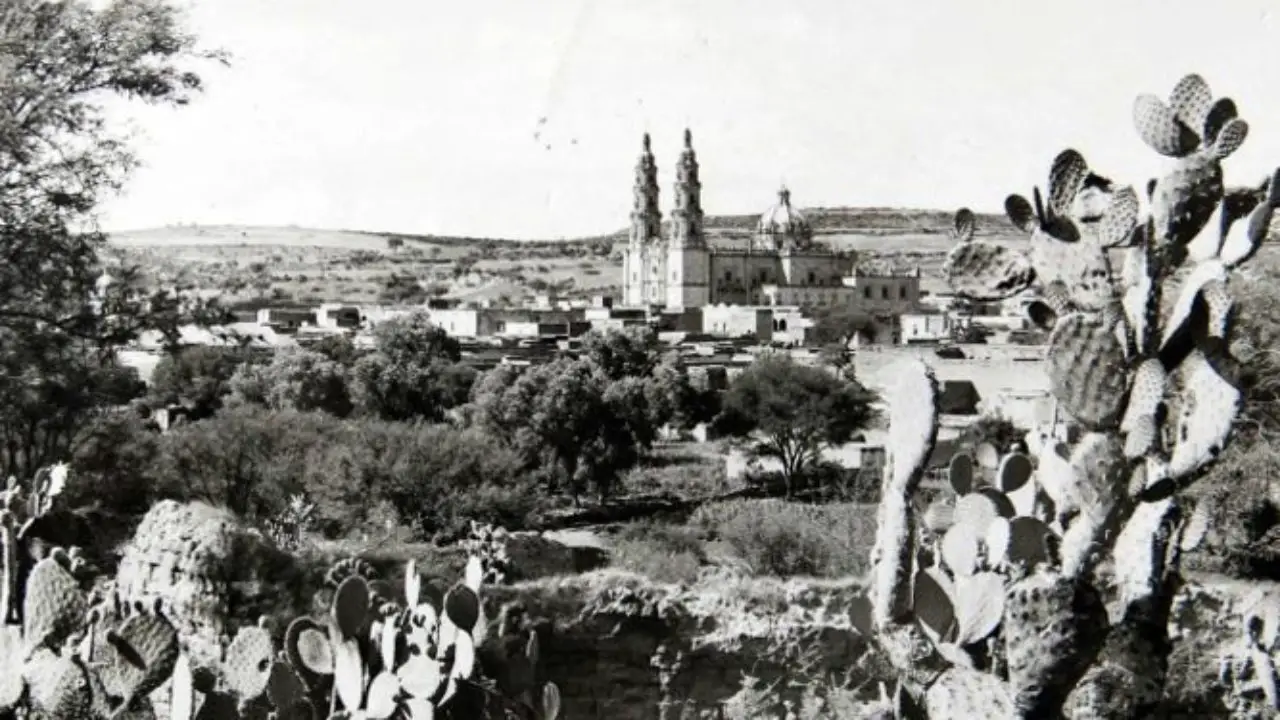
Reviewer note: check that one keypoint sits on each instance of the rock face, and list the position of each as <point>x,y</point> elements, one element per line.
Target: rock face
<point>620,647</point>
<point>210,573</point>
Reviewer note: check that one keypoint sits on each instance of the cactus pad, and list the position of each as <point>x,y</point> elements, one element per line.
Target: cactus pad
<point>307,647</point>
<point>1027,541</point>
<point>977,511</point>
<point>146,651</point>
<point>1229,139</point>
<point>348,670</point>
<point>960,473</point>
<point>986,272</point>
<point>420,676</point>
<point>1054,628</point>
<point>1082,267</point>
<point>979,606</point>
<point>462,607</point>
<point>1206,413</point>
<point>960,548</point>
<point>1191,101</point>
<point>247,667</point>
<point>351,605</point>
<point>1066,177</point>
<point>1086,364</point>
<point>1014,472</point>
<point>54,605</point>
<point>1159,127</point>
<point>1116,228</point>
<point>931,604</point>
<point>58,686</point>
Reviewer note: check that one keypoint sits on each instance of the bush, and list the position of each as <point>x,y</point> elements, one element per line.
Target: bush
<point>254,460</point>
<point>108,465</point>
<point>781,538</point>
<point>662,553</point>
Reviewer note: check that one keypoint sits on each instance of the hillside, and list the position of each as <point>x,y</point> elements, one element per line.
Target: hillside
<point>249,263</point>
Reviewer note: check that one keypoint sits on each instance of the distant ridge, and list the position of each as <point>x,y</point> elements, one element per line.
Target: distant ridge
<point>848,220</point>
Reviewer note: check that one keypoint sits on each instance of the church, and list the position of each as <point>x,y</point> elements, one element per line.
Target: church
<point>779,265</point>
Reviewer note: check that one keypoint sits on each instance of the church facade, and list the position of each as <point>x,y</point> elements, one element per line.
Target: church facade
<point>779,265</point>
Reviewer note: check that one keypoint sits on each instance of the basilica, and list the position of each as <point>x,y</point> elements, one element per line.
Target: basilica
<point>779,265</point>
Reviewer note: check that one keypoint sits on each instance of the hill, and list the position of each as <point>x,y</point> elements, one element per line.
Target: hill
<point>250,263</point>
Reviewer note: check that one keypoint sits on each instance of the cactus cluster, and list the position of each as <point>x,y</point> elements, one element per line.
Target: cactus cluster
<point>80,652</point>
<point>489,543</point>
<point>68,659</point>
<point>22,506</point>
<point>1001,613</point>
<point>371,658</point>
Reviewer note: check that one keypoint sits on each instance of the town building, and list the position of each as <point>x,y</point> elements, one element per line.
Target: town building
<point>780,264</point>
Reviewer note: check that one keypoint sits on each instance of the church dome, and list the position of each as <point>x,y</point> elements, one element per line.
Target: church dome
<point>782,219</point>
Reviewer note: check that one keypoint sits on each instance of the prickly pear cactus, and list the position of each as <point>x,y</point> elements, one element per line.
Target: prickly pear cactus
<point>69,659</point>
<point>1003,579</point>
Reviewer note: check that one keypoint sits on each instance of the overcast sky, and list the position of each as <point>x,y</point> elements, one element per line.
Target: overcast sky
<point>423,116</point>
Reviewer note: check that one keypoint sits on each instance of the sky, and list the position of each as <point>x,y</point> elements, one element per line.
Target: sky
<point>524,119</point>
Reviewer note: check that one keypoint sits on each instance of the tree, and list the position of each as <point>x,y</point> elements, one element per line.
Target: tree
<point>60,62</point>
<point>999,431</point>
<point>403,290</point>
<point>563,422</point>
<point>294,379</point>
<point>412,372</point>
<point>197,376</point>
<point>337,348</point>
<point>792,412</point>
<point>629,352</point>
<point>839,324</point>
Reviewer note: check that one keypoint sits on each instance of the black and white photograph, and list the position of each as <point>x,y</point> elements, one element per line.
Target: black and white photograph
<point>664,360</point>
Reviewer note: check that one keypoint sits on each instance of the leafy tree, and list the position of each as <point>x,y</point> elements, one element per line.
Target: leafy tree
<point>839,324</point>
<point>249,459</point>
<point>337,348</point>
<point>110,463</point>
<point>629,352</point>
<point>791,412</point>
<point>999,431</point>
<point>562,421</point>
<point>674,399</point>
<point>295,378</point>
<point>60,63</point>
<point>403,290</point>
<point>197,376</point>
<point>412,372</point>
<point>439,478</point>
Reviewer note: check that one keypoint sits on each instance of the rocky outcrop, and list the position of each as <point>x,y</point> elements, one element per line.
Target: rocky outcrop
<point>211,573</point>
<point>621,647</point>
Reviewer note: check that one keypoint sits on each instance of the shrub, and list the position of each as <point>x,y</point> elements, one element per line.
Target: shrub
<point>108,460</point>
<point>254,461</point>
<point>781,538</point>
<point>663,553</point>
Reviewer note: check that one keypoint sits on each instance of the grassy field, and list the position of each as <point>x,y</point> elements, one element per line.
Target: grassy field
<point>309,265</point>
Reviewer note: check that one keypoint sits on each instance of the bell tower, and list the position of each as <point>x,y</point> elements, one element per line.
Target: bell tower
<point>688,259</point>
<point>644,244</point>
